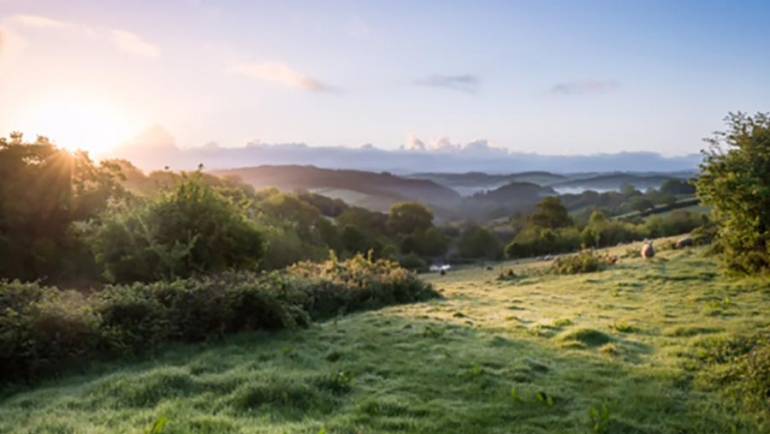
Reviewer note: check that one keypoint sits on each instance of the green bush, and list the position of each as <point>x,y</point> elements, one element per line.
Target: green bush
<point>43,329</point>
<point>534,241</point>
<point>193,229</point>
<point>584,262</point>
<point>734,183</point>
<point>477,242</point>
<point>413,262</point>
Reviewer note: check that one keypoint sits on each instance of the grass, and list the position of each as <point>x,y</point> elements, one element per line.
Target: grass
<point>608,352</point>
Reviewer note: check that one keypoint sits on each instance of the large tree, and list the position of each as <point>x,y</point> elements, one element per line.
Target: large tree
<point>43,191</point>
<point>409,218</point>
<point>735,183</point>
<point>551,214</point>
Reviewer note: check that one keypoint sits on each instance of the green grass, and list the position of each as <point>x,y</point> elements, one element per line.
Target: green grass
<point>608,352</point>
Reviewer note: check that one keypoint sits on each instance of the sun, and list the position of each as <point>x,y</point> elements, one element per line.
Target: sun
<point>92,126</point>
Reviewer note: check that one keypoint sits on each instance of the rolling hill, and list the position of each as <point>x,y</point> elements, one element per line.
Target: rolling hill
<point>377,191</point>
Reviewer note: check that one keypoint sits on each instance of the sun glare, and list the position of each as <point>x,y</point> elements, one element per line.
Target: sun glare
<point>94,127</point>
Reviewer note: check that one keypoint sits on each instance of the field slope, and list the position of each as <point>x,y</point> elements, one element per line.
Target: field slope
<point>604,352</point>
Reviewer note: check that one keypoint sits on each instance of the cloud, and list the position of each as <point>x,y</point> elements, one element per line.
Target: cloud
<point>585,87</point>
<point>40,22</point>
<point>463,83</point>
<point>122,40</point>
<point>281,74</point>
<point>133,43</point>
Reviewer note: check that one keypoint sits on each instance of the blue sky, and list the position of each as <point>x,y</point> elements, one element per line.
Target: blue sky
<point>553,77</point>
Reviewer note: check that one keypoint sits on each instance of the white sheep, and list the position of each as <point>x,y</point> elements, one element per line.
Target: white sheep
<point>648,251</point>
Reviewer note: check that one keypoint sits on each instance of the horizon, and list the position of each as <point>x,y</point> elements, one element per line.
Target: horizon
<point>553,80</point>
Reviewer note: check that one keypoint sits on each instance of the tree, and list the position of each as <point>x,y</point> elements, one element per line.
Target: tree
<point>550,213</point>
<point>409,218</point>
<point>641,204</point>
<point>44,190</point>
<point>428,243</point>
<point>477,242</point>
<point>193,229</point>
<point>735,183</point>
<point>677,187</point>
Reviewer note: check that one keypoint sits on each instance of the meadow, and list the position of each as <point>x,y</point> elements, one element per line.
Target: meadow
<point>615,351</point>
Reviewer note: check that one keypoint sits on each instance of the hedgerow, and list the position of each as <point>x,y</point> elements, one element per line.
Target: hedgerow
<point>43,330</point>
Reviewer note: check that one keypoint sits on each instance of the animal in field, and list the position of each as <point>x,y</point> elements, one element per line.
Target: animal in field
<point>684,242</point>
<point>648,251</point>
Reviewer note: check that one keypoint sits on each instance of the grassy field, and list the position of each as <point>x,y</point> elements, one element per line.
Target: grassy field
<point>603,352</point>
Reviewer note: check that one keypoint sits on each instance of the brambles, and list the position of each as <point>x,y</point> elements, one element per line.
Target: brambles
<point>46,329</point>
<point>586,261</point>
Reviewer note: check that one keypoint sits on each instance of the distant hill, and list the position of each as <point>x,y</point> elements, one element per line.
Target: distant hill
<point>616,181</point>
<point>470,183</point>
<point>505,200</point>
<point>376,191</point>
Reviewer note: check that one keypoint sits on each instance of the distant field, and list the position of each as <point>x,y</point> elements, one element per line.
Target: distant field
<point>604,352</point>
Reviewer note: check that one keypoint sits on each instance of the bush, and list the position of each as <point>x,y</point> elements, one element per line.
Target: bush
<point>733,182</point>
<point>584,262</point>
<point>477,242</point>
<point>534,241</point>
<point>194,229</point>
<point>413,262</point>
<point>43,329</point>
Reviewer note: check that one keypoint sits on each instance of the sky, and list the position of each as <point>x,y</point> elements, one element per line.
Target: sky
<point>548,77</point>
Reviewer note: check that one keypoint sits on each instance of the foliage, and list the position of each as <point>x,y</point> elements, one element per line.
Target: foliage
<point>427,243</point>
<point>413,262</point>
<point>601,231</point>
<point>534,241</point>
<point>45,329</point>
<point>409,218</point>
<point>734,183</point>
<point>550,214</point>
<point>477,242</point>
<point>677,187</point>
<point>44,190</point>
<point>675,223</point>
<point>193,229</point>
<point>586,261</point>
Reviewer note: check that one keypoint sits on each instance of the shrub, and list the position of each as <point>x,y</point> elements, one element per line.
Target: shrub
<point>534,241</point>
<point>733,182</point>
<point>413,262</point>
<point>477,242</point>
<point>194,229</point>
<point>43,329</point>
<point>584,262</point>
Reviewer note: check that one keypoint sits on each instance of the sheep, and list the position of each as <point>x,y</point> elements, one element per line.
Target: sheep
<point>684,242</point>
<point>648,251</point>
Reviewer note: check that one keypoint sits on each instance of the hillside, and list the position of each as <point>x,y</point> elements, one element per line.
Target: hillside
<point>614,351</point>
<point>474,182</point>
<point>614,181</point>
<point>381,190</point>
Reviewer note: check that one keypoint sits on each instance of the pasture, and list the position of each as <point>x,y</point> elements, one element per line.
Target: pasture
<point>615,351</point>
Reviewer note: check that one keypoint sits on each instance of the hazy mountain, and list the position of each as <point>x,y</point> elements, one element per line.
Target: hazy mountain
<point>156,149</point>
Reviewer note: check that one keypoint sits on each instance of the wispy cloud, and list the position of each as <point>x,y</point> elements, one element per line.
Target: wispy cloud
<point>463,83</point>
<point>133,43</point>
<point>279,73</point>
<point>121,39</point>
<point>585,87</point>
